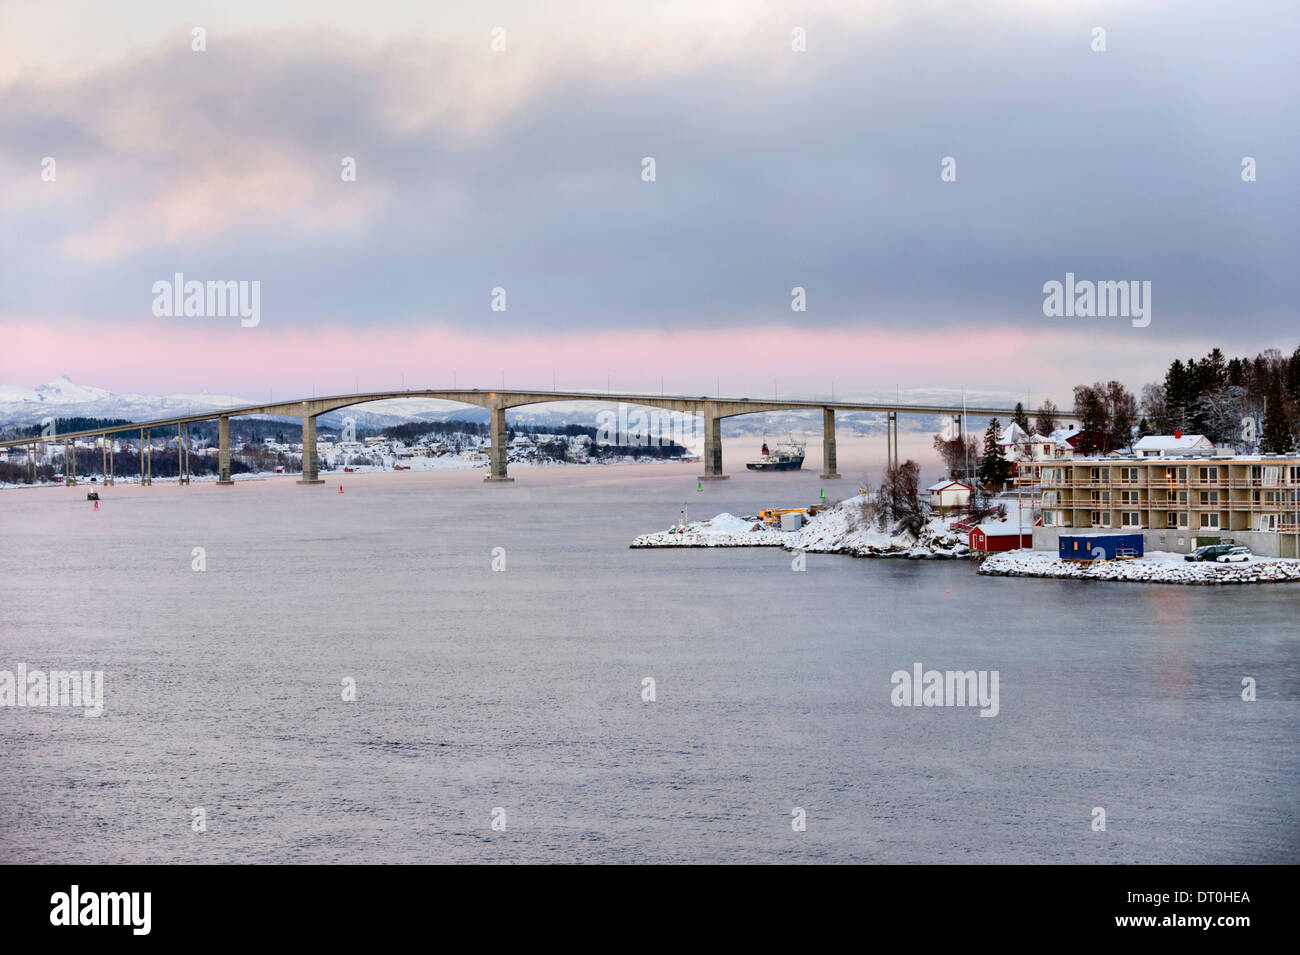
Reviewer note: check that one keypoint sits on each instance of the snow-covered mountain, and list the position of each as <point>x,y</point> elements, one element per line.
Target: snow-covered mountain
<point>62,398</point>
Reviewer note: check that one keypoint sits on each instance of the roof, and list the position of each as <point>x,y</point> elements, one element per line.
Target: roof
<point>944,484</point>
<point>1013,434</point>
<point>1167,442</point>
<point>1003,530</point>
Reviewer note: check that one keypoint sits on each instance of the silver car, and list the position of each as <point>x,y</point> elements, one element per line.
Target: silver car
<point>1234,555</point>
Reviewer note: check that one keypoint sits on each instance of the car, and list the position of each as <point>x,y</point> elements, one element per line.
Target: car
<point>1234,555</point>
<point>1208,552</point>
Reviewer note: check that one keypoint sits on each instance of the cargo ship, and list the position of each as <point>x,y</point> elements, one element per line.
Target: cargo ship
<point>787,457</point>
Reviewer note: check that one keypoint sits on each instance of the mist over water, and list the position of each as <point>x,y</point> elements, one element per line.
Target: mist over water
<point>521,689</point>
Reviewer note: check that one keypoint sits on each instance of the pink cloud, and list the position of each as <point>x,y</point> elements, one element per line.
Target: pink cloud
<point>217,355</point>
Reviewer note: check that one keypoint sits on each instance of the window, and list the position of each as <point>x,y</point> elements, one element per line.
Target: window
<point>1129,474</point>
<point>1209,499</point>
<point>1209,520</point>
<point>1209,475</point>
<point>1100,518</point>
<point>1131,519</point>
<point>1171,520</point>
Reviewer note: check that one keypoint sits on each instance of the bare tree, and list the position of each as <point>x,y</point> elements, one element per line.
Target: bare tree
<point>1045,423</point>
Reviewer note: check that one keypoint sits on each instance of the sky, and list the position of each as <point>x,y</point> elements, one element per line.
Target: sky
<point>522,169</point>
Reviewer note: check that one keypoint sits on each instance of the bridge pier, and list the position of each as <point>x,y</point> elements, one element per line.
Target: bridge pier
<point>497,451</point>
<point>309,475</point>
<point>828,445</point>
<point>69,463</point>
<point>713,450</point>
<point>891,441</point>
<point>182,454</point>
<point>223,450</point>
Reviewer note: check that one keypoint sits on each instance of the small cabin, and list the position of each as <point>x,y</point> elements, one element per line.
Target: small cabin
<point>1088,547</point>
<point>948,496</point>
<point>988,538</point>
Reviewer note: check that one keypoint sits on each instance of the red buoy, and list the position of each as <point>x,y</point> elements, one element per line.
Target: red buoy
<point>340,488</point>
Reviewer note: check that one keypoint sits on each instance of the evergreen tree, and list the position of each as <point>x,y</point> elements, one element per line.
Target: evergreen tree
<point>1276,436</point>
<point>1176,393</point>
<point>1144,429</point>
<point>994,469</point>
<point>1293,376</point>
<point>1094,419</point>
<point>1020,418</point>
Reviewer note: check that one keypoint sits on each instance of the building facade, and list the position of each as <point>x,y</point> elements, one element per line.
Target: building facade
<point>1254,500</point>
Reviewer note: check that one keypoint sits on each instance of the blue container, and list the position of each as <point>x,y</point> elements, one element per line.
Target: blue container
<point>1099,546</point>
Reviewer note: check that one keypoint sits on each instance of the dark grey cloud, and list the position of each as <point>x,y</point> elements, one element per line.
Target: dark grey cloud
<point>821,171</point>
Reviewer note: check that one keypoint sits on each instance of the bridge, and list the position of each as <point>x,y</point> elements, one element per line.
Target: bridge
<point>710,410</point>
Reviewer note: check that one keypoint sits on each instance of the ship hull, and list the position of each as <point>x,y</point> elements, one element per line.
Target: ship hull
<point>793,464</point>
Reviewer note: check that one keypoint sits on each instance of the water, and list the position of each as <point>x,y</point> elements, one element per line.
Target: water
<point>522,689</point>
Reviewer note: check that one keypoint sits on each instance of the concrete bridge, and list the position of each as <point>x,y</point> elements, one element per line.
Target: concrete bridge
<point>711,410</point>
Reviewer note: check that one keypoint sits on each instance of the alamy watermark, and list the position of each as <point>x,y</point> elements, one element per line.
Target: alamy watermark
<point>924,687</point>
<point>637,427</point>
<point>82,689</point>
<point>1087,299</point>
<point>193,299</point>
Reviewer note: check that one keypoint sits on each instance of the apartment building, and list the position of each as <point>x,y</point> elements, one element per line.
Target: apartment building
<point>1254,500</point>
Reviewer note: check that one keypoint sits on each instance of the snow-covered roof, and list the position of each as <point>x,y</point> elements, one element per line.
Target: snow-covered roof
<point>1002,529</point>
<point>945,484</point>
<point>1013,434</point>
<point>1168,442</point>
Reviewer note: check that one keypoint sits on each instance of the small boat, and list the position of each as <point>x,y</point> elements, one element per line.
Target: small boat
<point>92,495</point>
<point>788,457</point>
<point>401,467</point>
<point>348,470</point>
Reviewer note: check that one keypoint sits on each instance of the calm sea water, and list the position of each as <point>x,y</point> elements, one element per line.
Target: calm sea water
<point>522,689</point>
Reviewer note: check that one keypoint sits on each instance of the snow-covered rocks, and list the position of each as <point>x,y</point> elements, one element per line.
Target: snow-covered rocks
<point>724,530</point>
<point>840,529</point>
<point>1157,567</point>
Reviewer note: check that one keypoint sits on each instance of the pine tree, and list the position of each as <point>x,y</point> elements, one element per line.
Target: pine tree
<point>1276,437</point>
<point>1293,376</point>
<point>1176,393</point>
<point>1020,418</point>
<point>995,469</point>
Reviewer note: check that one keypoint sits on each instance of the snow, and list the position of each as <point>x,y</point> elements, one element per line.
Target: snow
<point>840,529</point>
<point>1167,442</point>
<point>1158,567</point>
<point>62,391</point>
<point>1012,434</point>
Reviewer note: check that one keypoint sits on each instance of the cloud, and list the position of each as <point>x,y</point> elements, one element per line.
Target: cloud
<point>775,169</point>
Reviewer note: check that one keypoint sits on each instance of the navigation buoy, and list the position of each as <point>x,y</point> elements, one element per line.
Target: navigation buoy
<point>699,485</point>
<point>340,488</point>
<point>96,504</point>
<point>822,494</point>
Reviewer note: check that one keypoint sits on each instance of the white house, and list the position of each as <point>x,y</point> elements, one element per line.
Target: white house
<point>1172,445</point>
<point>947,496</point>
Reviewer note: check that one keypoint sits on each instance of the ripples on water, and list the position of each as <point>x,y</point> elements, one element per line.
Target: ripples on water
<point>522,689</point>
